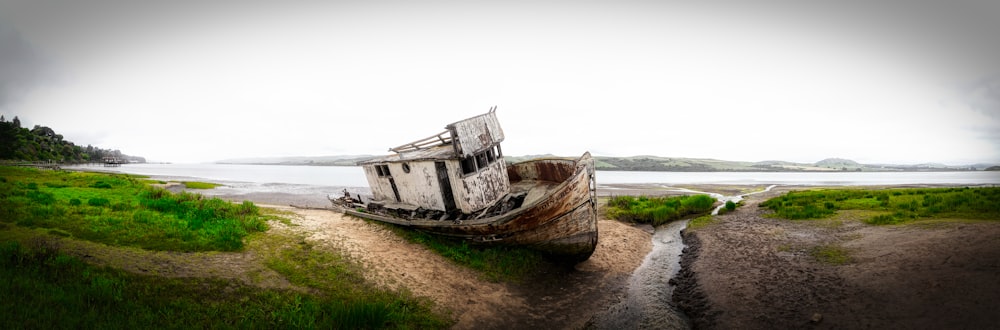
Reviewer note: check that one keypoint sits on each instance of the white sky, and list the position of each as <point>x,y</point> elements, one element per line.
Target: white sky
<point>198,81</point>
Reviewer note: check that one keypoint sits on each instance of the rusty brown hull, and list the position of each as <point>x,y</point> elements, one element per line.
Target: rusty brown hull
<point>562,222</point>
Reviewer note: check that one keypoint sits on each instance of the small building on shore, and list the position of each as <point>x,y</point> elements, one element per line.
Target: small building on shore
<point>458,170</point>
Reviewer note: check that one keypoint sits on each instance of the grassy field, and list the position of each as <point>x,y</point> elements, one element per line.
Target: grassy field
<point>657,210</point>
<point>123,210</point>
<point>43,287</point>
<point>890,206</point>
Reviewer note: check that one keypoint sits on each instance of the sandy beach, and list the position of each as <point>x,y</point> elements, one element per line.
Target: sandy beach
<point>560,298</point>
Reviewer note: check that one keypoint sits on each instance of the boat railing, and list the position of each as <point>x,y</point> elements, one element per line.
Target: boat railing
<point>442,138</point>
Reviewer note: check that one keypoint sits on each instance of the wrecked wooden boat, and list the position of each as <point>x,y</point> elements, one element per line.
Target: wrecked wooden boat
<point>457,184</point>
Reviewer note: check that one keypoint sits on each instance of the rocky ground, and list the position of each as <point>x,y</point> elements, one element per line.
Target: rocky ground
<point>747,270</point>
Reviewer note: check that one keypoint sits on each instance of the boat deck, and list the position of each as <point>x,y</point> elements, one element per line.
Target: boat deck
<point>535,189</point>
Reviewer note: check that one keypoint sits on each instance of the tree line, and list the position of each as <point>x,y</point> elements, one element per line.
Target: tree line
<point>43,144</point>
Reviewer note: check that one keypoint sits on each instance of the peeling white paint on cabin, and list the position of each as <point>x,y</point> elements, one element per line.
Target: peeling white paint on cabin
<point>465,172</point>
<point>476,134</point>
<point>412,186</point>
<point>481,189</point>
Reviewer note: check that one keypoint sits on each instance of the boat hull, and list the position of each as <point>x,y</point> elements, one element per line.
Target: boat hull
<point>562,222</point>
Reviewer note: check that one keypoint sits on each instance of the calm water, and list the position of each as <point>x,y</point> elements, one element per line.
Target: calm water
<point>268,184</point>
<point>800,178</point>
<point>331,176</point>
<point>353,176</point>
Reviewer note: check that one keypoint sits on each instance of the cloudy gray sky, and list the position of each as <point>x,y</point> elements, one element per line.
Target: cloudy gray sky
<point>193,81</point>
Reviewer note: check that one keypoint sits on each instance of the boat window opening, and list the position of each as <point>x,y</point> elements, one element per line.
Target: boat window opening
<point>490,157</point>
<point>406,167</point>
<point>481,160</point>
<point>383,170</point>
<point>499,152</point>
<point>468,165</point>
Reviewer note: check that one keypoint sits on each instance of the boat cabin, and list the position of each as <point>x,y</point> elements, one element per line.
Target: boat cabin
<point>458,170</point>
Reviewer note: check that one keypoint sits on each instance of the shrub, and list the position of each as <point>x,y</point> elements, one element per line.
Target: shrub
<point>730,206</point>
<point>657,210</point>
<point>99,202</point>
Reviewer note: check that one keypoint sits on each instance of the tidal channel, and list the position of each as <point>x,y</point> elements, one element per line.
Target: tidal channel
<point>648,303</point>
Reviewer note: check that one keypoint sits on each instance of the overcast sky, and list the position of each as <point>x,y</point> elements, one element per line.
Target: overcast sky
<point>198,81</point>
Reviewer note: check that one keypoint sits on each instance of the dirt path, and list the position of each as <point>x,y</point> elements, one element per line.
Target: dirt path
<point>751,271</point>
<point>561,298</point>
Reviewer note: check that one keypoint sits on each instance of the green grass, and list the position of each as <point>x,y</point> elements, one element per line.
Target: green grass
<point>830,254</point>
<point>199,185</point>
<point>657,210</point>
<point>43,288</point>
<point>700,222</point>
<point>122,210</point>
<point>891,206</point>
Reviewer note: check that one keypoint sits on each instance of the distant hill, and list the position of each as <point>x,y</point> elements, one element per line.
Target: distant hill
<point>674,164</point>
<point>44,144</point>
<point>837,162</point>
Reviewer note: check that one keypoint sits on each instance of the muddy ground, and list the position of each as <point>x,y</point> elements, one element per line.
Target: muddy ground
<point>751,271</point>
